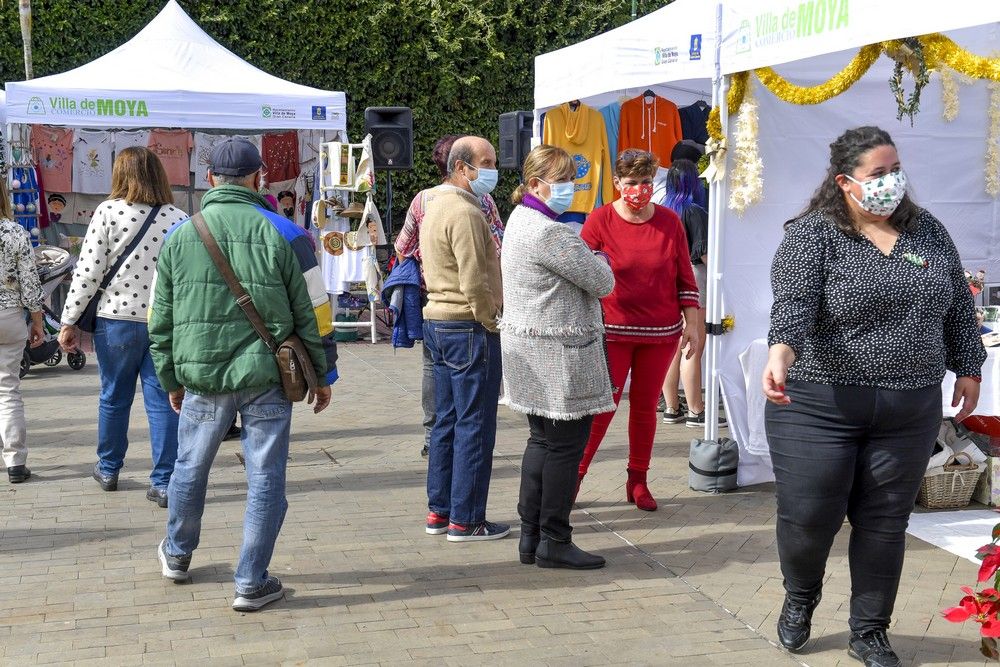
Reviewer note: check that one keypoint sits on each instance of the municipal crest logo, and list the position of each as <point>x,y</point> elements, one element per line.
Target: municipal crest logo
<point>265,111</point>
<point>657,56</point>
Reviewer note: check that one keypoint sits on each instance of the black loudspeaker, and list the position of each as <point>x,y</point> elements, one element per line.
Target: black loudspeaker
<point>392,136</point>
<point>515,138</point>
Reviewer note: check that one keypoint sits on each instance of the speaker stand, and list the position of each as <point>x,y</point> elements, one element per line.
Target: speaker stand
<point>388,205</point>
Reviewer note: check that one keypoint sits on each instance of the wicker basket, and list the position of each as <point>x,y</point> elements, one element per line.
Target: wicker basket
<point>951,488</point>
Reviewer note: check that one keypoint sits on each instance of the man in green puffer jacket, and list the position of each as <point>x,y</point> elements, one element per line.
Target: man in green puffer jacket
<point>213,364</point>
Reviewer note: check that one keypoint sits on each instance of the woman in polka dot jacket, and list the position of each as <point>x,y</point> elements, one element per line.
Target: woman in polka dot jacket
<point>870,307</point>
<point>121,340</point>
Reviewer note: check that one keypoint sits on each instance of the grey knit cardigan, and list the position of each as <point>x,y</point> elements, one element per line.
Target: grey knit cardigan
<point>551,332</point>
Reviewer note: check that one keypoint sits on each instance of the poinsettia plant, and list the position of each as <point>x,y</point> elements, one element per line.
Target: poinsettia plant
<point>983,606</point>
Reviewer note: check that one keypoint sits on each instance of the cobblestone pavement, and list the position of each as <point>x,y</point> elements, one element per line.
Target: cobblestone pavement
<point>695,583</point>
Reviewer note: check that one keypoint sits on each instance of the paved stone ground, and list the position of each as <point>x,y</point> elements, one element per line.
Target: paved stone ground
<point>695,583</point>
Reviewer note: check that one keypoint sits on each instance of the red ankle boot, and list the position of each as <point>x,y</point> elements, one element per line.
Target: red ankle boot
<point>637,492</point>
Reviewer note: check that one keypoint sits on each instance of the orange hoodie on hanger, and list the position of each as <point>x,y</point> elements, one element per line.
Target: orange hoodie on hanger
<point>652,125</point>
<point>582,134</point>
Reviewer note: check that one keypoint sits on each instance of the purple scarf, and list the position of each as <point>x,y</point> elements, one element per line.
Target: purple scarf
<point>531,201</point>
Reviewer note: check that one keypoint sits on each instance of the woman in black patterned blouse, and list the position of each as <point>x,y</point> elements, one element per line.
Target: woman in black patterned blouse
<point>870,307</point>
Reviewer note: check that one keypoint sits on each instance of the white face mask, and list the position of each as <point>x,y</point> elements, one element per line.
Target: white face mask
<point>881,196</point>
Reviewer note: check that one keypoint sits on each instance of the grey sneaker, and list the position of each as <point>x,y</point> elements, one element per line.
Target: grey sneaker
<point>477,532</point>
<point>263,596</point>
<point>158,495</point>
<point>174,567</point>
<point>107,482</point>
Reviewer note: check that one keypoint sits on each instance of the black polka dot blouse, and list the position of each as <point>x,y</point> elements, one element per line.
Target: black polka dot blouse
<point>855,316</point>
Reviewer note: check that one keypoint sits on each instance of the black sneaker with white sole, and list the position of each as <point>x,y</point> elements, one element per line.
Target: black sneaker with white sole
<point>173,567</point>
<point>673,415</point>
<point>486,530</point>
<point>697,420</point>
<point>271,590</point>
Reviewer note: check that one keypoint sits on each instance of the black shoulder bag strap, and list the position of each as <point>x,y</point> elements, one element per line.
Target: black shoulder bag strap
<point>129,249</point>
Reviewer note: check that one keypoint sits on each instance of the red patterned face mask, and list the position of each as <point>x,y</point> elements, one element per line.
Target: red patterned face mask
<point>636,197</point>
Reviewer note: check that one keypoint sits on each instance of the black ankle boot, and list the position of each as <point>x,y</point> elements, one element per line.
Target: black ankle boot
<point>873,649</point>
<point>566,555</point>
<point>795,622</point>
<point>528,545</point>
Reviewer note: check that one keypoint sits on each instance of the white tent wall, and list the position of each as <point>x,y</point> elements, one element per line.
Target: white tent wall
<point>945,165</point>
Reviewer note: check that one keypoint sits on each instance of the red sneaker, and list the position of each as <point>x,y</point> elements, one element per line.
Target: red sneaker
<point>436,524</point>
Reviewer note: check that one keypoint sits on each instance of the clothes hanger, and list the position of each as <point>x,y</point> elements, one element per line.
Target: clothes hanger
<point>574,105</point>
<point>648,93</point>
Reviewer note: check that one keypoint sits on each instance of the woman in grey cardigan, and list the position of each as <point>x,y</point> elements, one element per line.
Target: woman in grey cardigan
<point>553,354</point>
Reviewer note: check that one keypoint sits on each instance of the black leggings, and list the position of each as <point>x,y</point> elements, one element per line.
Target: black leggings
<point>549,474</point>
<point>858,452</point>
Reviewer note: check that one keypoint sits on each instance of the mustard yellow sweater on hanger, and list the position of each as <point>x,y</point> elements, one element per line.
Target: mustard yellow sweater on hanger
<point>582,134</point>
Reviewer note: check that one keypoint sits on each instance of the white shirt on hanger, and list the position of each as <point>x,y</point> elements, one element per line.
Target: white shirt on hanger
<point>92,161</point>
<point>130,138</point>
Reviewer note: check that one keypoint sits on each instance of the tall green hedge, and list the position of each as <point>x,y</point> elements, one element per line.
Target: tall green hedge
<point>457,63</point>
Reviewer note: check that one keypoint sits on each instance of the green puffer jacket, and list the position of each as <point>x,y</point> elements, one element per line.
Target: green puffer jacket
<point>199,337</point>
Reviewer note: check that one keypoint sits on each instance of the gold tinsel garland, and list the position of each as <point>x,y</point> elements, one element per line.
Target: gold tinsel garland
<point>939,52</point>
<point>746,182</point>
<point>992,170</point>
<point>949,94</point>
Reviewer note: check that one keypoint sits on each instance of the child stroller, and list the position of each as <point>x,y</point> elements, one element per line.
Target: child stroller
<point>53,265</point>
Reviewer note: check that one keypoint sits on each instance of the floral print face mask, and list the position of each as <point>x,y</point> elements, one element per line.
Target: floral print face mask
<point>636,197</point>
<point>880,196</point>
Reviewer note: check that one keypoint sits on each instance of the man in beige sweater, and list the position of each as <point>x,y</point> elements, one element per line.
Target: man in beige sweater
<point>462,275</point>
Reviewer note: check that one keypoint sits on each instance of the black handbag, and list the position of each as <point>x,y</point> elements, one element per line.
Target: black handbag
<point>88,319</point>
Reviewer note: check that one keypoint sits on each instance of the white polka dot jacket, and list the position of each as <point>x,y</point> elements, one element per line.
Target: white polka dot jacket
<point>114,225</point>
<point>858,317</point>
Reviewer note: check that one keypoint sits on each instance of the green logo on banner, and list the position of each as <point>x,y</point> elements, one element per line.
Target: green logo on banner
<point>798,21</point>
<point>265,111</point>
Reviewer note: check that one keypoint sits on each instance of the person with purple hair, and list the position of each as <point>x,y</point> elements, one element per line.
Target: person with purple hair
<point>683,189</point>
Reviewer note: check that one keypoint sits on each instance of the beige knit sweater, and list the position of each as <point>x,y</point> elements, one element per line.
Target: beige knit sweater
<point>461,268</point>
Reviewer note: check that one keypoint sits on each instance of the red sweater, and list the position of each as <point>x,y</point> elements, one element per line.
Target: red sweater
<point>653,274</point>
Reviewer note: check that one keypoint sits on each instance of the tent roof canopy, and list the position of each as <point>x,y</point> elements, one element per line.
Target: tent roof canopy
<point>172,73</point>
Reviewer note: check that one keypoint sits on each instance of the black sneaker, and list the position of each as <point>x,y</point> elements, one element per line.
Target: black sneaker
<point>661,405</point>
<point>18,474</point>
<point>873,649</point>
<point>107,482</point>
<point>173,567</point>
<point>260,598</point>
<point>158,495</point>
<point>477,532</point>
<point>673,416</point>
<point>795,623</point>
<point>697,420</point>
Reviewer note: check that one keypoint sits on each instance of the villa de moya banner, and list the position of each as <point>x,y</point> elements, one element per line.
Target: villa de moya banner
<point>95,108</point>
<point>771,32</point>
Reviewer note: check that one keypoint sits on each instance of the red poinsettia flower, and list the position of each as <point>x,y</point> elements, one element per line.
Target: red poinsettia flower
<point>981,607</point>
<point>991,563</point>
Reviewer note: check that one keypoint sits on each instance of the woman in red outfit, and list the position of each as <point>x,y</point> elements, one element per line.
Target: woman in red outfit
<point>655,294</point>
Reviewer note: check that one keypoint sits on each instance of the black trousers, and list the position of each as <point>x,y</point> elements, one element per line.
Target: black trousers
<point>549,474</point>
<point>858,452</point>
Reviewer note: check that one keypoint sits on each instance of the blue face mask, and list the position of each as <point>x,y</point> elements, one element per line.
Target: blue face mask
<point>560,197</point>
<point>486,180</point>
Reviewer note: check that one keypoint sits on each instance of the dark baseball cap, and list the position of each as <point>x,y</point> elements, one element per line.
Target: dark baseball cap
<point>234,157</point>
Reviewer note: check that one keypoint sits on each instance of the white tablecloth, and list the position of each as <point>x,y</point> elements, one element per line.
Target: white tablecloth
<point>754,359</point>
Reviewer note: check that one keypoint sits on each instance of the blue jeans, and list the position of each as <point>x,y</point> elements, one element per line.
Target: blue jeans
<point>123,357</point>
<point>467,369</point>
<point>266,417</point>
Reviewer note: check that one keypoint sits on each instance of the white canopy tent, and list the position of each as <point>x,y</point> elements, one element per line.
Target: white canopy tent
<point>793,141</point>
<point>172,74</point>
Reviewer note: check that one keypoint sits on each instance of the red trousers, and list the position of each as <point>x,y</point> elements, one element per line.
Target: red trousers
<point>649,363</point>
